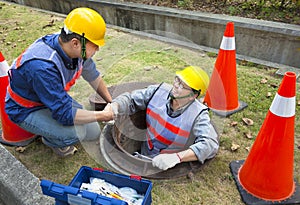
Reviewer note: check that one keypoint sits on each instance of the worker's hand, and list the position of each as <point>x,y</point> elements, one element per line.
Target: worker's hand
<point>108,108</point>
<point>113,108</point>
<point>165,161</point>
<point>106,116</point>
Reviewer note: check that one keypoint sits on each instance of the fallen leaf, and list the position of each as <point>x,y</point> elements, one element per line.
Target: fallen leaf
<point>248,149</point>
<point>298,102</point>
<point>263,81</point>
<point>247,121</point>
<point>234,147</point>
<point>269,94</point>
<point>234,123</point>
<point>20,149</point>
<point>50,24</point>
<point>248,135</point>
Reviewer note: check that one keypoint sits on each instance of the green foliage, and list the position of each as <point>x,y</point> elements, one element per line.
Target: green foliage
<point>184,3</point>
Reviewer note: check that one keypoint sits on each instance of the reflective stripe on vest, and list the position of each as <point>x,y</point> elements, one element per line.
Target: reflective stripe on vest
<point>22,101</point>
<point>40,50</point>
<point>165,132</point>
<point>73,80</point>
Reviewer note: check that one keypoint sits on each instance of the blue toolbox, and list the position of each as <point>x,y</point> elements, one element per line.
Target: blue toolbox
<point>74,194</point>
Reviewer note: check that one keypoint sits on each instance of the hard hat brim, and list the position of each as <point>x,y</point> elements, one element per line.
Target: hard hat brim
<point>99,42</point>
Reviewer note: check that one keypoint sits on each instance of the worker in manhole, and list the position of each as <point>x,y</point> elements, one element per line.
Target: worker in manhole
<point>37,97</point>
<point>179,128</point>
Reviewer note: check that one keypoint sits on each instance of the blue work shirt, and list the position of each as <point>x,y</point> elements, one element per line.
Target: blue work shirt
<point>40,81</point>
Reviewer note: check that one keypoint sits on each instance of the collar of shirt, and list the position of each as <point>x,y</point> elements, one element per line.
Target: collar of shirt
<point>177,112</point>
<point>53,42</point>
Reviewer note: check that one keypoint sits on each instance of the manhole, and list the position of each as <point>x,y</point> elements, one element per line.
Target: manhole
<point>119,141</point>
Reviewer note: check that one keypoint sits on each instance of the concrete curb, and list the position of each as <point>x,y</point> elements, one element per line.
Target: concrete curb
<point>18,185</point>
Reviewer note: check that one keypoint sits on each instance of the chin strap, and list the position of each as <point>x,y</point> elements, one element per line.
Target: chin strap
<point>83,48</point>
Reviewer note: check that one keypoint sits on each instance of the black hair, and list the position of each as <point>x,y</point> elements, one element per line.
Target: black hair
<point>67,37</point>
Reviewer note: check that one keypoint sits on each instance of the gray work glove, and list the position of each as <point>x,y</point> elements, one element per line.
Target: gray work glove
<point>113,108</point>
<point>165,161</point>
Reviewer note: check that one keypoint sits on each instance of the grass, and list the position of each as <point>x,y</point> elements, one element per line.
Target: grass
<point>127,58</point>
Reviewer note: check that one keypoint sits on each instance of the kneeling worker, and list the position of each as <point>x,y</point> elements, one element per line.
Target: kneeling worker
<point>37,98</point>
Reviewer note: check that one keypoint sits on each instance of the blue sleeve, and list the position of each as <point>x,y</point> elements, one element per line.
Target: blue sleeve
<point>47,85</point>
<point>89,71</point>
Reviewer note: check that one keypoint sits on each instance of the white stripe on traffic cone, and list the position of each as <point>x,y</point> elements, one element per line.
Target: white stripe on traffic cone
<point>4,67</point>
<point>283,106</point>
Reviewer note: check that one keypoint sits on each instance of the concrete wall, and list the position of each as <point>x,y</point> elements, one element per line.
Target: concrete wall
<point>263,42</point>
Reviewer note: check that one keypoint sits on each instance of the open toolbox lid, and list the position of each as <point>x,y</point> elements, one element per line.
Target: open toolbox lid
<point>72,194</point>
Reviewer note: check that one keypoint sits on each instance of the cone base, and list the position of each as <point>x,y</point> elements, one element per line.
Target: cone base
<point>226,113</point>
<point>250,199</point>
<point>19,143</point>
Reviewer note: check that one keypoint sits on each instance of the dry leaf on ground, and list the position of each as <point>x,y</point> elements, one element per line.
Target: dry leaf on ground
<point>248,135</point>
<point>234,147</point>
<point>20,149</point>
<point>247,121</point>
<point>269,94</point>
<point>263,81</point>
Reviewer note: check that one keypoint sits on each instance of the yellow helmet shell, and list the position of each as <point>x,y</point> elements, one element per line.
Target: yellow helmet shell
<point>194,77</point>
<point>88,22</point>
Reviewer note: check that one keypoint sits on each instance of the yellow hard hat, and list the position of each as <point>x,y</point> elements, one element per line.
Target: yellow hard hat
<point>88,22</point>
<point>194,77</point>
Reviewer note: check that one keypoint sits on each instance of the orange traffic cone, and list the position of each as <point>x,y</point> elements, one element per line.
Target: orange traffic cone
<point>12,134</point>
<point>267,173</point>
<point>222,93</point>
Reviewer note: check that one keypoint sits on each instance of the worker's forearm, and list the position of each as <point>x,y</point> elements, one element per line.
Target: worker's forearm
<point>86,116</point>
<point>100,87</point>
<point>105,95</point>
<point>187,156</point>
